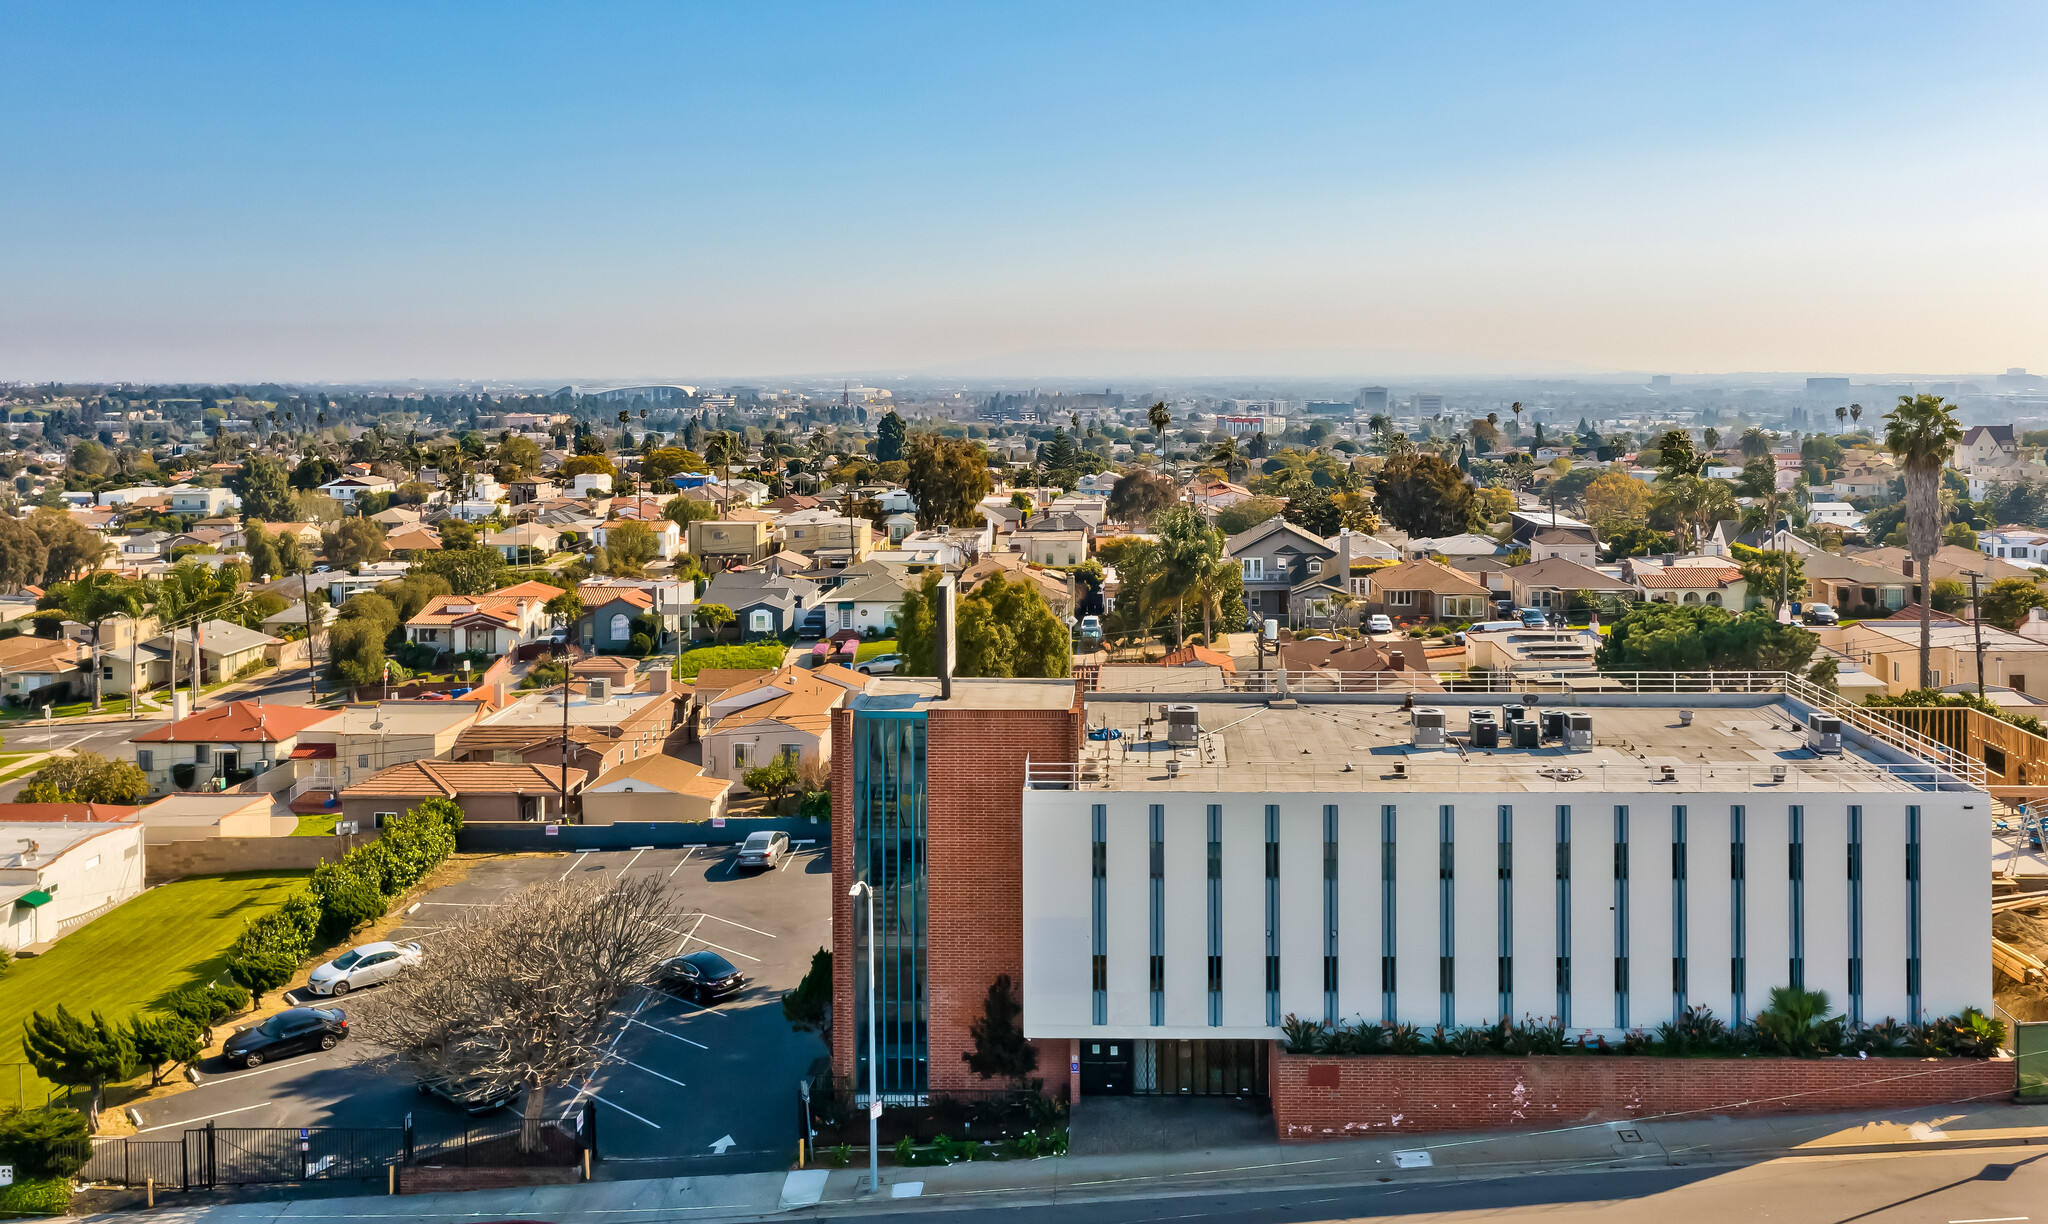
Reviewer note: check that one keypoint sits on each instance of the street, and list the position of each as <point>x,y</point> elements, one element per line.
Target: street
<point>2003,1186</point>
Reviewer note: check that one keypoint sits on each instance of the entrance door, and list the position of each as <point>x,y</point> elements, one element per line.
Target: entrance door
<point>1280,602</point>
<point>1106,1068</point>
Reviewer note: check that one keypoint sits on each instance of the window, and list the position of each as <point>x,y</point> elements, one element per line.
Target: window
<point>145,759</point>
<point>1254,569</point>
<point>739,756</point>
<point>1400,599</point>
<point>793,753</point>
<point>92,862</point>
<point>1314,566</point>
<point>362,760</point>
<point>761,620</point>
<point>621,627</point>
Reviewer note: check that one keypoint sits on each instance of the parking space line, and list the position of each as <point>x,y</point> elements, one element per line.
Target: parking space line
<point>460,904</point>
<point>664,1032</point>
<point>787,859</point>
<point>719,1012</point>
<point>650,1070</point>
<point>732,863</point>
<point>679,862</point>
<point>573,866</point>
<point>637,852</point>
<point>728,951</point>
<point>692,935</point>
<point>189,1121</point>
<point>741,925</point>
<point>229,1079</point>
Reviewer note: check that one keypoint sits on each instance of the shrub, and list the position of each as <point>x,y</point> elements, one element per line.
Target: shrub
<point>1797,1022</point>
<point>640,646</point>
<point>44,1142</point>
<point>261,971</point>
<point>775,779</point>
<point>808,1008</point>
<point>208,1005</point>
<point>36,1196</point>
<point>905,1151</point>
<point>347,900</point>
<point>162,1042</point>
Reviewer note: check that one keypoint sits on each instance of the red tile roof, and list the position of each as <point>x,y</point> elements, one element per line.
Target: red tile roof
<point>57,813</point>
<point>239,722</point>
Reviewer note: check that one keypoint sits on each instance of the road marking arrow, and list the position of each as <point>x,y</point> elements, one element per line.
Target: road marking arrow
<point>722,1144</point>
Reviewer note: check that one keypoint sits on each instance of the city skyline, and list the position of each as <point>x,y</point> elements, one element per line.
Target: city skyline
<point>1009,192</point>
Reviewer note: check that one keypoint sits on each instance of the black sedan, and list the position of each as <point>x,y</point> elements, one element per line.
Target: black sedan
<point>293,1031</point>
<point>703,976</point>
<point>474,1096</point>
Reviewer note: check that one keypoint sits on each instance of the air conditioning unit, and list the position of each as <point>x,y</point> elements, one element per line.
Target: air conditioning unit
<point>598,690</point>
<point>1427,731</point>
<point>1525,733</point>
<point>1578,732</point>
<point>1553,724</point>
<point>1183,726</point>
<point>1824,734</point>
<point>1476,716</point>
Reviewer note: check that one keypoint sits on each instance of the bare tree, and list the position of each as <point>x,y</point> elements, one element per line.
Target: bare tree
<point>525,993</point>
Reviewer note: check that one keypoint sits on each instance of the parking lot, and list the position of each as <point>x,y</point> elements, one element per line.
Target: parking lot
<point>696,1088</point>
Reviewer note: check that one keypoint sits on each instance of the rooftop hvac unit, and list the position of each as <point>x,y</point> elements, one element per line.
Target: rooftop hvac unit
<point>1824,734</point>
<point>1478,715</point>
<point>1525,733</point>
<point>1428,728</point>
<point>1578,732</point>
<point>1485,734</point>
<point>1183,726</point>
<point>1553,724</point>
<point>1511,714</point>
<point>598,690</point>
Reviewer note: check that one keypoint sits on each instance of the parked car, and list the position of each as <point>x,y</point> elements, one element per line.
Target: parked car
<point>812,626</point>
<point>473,1096</point>
<point>764,849</point>
<point>703,976</point>
<point>1379,622</point>
<point>1535,618</point>
<point>880,665</point>
<point>1821,614</point>
<point>364,966</point>
<point>1091,628</point>
<point>293,1031</point>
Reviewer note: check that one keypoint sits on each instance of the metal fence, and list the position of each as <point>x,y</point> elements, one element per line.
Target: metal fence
<point>212,1156</point>
<point>2030,1051</point>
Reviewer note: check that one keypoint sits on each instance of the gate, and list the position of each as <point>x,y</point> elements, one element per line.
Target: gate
<point>2030,1051</point>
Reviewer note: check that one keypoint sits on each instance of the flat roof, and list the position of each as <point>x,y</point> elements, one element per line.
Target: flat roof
<point>1336,745</point>
<point>545,709</point>
<point>886,695</point>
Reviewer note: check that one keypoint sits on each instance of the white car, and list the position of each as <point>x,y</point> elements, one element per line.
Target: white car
<point>1379,622</point>
<point>364,966</point>
<point>881,665</point>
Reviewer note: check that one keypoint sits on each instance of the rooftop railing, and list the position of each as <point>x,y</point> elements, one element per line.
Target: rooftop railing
<point>1550,771</point>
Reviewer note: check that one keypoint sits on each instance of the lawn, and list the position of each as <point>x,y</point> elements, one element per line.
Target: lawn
<point>316,824</point>
<point>756,655</point>
<point>869,650</point>
<point>122,962</point>
<point>71,709</point>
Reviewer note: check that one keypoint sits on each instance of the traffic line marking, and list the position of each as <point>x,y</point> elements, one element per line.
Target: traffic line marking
<point>637,852</point>
<point>189,1121</point>
<point>664,1032</point>
<point>728,951</point>
<point>679,862</point>
<point>573,866</point>
<point>650,1070</point>
<point>741,925</point>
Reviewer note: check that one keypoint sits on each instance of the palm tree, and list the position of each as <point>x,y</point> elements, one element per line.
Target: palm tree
<point>96,600</point>
<point>1159,417</point>
<point>1188,545</point>
<point>1841,415</point>
<point>1516,408</point>
<point>1921,433</point>
<point>720,450</point>
<point>1225,453</point>
<point>1855,412</point>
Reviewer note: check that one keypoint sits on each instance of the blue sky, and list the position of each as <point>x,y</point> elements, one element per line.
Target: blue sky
<point>435,191</point>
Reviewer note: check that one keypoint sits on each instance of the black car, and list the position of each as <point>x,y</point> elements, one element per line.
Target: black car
<point>704,976</point>
<point>473,1096</point>
<point>293,1031</point>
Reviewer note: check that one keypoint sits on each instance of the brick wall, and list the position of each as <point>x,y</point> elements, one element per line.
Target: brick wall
<point>1326,1098</point>
<point>975,783</point>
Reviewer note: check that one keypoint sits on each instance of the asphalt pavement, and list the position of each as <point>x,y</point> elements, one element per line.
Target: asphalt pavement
<point>689,1089</point>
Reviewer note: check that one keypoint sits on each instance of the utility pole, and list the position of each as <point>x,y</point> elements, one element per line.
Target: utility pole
<point>312,670</point>
<point>1976,623</point>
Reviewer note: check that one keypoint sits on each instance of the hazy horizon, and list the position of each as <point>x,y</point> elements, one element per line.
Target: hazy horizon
<point>386,193</point>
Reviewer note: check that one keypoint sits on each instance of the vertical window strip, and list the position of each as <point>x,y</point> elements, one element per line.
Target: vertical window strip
<point>1564,915</point>
<point>1098,915</point>
<point>1621,917</point>
<point>1215,915</point>
<point>1506,902</point>
<point>1156,822</point>
<point>1855,869</point>
<point>1447,897</point>
<point>1738,905</point>
<point>1330,913</point>
<point>1678,931</point>
<point>1913,990</point>
<point>889,787</point>
<point>1387,991</point>
<point>1273,915</point>
<point>1795,870</point>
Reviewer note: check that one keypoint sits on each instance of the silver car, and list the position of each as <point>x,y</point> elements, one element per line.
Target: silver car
<point>764,849</point>
<point>364,966</point>
<point>881,665</point>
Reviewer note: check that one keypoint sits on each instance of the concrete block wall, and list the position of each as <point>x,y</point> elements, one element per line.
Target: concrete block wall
<point>165,862</point>
<point>1334,1098</point>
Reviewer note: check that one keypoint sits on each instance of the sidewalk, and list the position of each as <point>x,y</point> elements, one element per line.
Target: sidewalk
<point>1071,1179</point>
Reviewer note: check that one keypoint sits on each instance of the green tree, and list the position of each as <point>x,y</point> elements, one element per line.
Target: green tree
<point>1000,1049</point>
<point>266,491</point>
<point>162,1043</point>
<point>1424,495</point>
<point>628,547</point>
<point>1921,433</point>
<point>518,457</point>
<point>1241,516</point>
<point>1664,637</point>
<point>469,571</point>
<point>42,1143</point>
<point>70,547</point>
<point>94,601</point>
<point>1159,417</point>
<point>1676,455</point>
<point>77,1053</point>
<point>354,541</point>
<point>1189,545</point>
<point>1003,629</point>
<point>721,450</point>
<point>808,1008</point>
<point>1950,594</point>
<point>1771,575</point>
<point>947,479</point>
<point>713,616</point>
<point>683,511</point>
<point>88,777</point>
<point>2005,603</point>
<point>775,778</point>
<point>890,437</point>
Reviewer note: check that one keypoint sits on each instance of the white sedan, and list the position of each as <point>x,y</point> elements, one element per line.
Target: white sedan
<point>1379,622</point>
<point>364,966</point>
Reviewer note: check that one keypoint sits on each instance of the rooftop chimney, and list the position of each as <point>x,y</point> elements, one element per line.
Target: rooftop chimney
<point>947,615</point>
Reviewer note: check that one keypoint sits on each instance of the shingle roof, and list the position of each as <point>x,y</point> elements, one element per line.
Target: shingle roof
<point>1426,576</point>
<point>452,779</point>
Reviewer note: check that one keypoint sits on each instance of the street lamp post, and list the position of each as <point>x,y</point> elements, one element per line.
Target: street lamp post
<point>874,1089</point>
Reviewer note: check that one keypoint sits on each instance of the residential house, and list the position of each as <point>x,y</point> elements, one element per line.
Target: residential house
<point>725,542</point>
<point>668,536</point>
<point>235,742</point>
<point>609,613</point>
<point>867,606</point>
<point>1523,651</point>
<point>530,489</point>
<point>1056,587</point>
<point>495,624</point>
<point>1890,650</point>
<point>2015,543</point>
<point>201,499</point>
<point>763,604</point>
<point>1949,561</point>
<point>196,817</point>
<point>285,620</point>
<point>348,488</point>
<point>1854,487</point>
<point>1216,494</point>
<point>655,789</point>
<point>366,737</point>
<point>786,714</point>
<point>1199,656</point>
<point>225,649</point>
<point>1555,584</point>
<point>485,790</point>
<point>945,548</point>
<point>1854,587</point>
<point>396,518</point>
<point>1428,590</point>
<point>1452,548</point>
<point>1054,548</point>
<point>1275,557</point>
<point>894,501</point>
<point>56,877</point>
<point>1721,586</point>
<point>527,543</point>
<point>142,546</point>
<point>1987,446</point>
<point>408,543</point>
<point>825,531</point>
<point>606,728</point>
<point>1835,514</point>
<point>1578,545</point>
